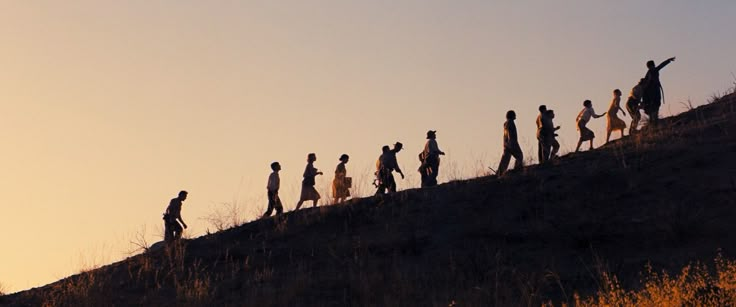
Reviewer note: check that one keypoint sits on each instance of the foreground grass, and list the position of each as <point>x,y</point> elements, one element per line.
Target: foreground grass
<point>695,285</point>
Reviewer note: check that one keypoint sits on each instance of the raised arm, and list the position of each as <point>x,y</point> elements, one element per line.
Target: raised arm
<point>667,61</point>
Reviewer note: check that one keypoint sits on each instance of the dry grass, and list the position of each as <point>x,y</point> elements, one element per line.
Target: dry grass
<point>695,285</point>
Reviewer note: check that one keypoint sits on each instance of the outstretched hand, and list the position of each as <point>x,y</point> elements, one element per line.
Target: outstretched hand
<point>672,59</point>
<point>402,175</point>
<point>320,173</point>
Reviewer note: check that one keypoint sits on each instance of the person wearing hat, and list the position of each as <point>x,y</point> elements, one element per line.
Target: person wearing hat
<point>430,158</point>
<point>387,164</point>
<point>510,145</point>
<point>341,184</point>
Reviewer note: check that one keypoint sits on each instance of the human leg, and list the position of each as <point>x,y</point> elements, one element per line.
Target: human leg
<point>504,164</point>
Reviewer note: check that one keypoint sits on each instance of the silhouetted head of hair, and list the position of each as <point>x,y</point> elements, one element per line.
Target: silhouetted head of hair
<point>431,134</point>
<point>311,157</point>
<point>587,103</point>
<point>385,148</point>
<point>550,113</point>
<point>398,146</point>
<point>183,194</point>
<point>344,158</point>
<point>542,108</point>
<point>511,114</point>
<point>650,64</point>
<point>275,166</point>
<point>617,92</point>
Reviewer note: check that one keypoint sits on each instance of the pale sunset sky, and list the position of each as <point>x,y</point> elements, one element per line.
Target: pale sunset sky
<point>109,108</point>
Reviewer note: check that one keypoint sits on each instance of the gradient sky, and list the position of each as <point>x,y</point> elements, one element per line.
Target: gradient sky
<point>109,108</point>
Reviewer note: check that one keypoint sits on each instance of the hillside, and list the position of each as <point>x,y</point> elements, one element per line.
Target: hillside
<point>666,198</point>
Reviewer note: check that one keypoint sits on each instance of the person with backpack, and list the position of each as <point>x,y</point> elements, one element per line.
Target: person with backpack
<point>274,182</point>
<point>582,122</point>
<point>510,145</point>
<point>308,190</point>
<point>386,165</point>
<point>430,160</point>
<point>172,229</point>
<point>652,99</point>
<point>633,105</point>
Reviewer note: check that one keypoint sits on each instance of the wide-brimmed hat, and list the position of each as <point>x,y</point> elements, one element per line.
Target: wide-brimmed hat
<point>431,133</point>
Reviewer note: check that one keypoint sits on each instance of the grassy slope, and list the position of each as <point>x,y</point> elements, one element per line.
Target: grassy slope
<point>666,198</point>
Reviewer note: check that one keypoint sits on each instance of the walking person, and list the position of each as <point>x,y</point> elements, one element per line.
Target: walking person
<point>510,145</point>
<point>549,135</point>
<point>614,123</point>
<point>430,166</point>
<point>172,229</point>
<point>633,105</point>
<point>542,151</point>
<point>308,190</point>
<point>582,122</point>
<point>272,188</point>
<point>342,183</point>
<point>386,165</point>
<point>652,99</point>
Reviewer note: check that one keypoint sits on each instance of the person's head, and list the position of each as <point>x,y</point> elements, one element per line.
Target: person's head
<point>432,134</point>
<point>617,92</point>
<point>550,113</point>
<point>542,108</point>
<point>650,64</point>
<point>587,104</point>
<point>511,115</point>
<point>398,146</point>
<point>344,158</point>
<point>183,195</point>
<point>385,149</point>
<point>275,166</point>
<point>311,157</point>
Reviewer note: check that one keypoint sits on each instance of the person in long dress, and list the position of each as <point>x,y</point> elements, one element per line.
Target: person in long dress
<point>582,122</point>
<point>341,184</point>
<point>613,122</point>
<point>308,190</point>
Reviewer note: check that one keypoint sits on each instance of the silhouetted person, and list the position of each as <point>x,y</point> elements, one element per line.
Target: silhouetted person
<point>430,160</point>
<point>582,122</point>
<point>172,217</point>
<point>614,123</point>
<point>652,99</point>
<point>341,184</point>
<point>274,183</point>
<point>549,135</point>
<point>381,188</point>
<point>542,151</point>
<point>387,164</point>
<point>633,103</point>
<point>308,190</point>
<point>510,145</point>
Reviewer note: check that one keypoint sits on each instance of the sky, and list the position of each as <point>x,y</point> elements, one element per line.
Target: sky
<point>109,108</point>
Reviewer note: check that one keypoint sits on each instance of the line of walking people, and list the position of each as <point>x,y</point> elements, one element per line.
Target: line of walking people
<point>646,96</point>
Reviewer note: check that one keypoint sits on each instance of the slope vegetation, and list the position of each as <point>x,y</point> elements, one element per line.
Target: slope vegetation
<point>663,198</point>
